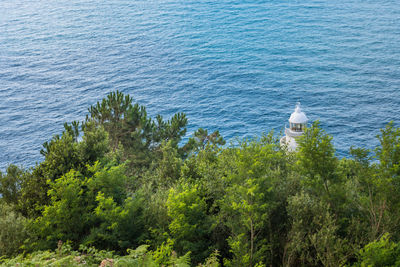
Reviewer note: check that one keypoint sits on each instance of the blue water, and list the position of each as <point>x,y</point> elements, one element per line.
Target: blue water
<point>236,66</point>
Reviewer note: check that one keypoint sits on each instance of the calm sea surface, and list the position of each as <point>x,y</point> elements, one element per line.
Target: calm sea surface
<point>235,66</point>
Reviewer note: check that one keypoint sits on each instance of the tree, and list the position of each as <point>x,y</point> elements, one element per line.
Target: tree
<point>70,214</point>
<point>127,124</point>
<point>111,113</point>
<point>387,181</point>
<point>171,130</point>
<point>317,159</point>
<point>168,168</point>
<point>202,140</point>
<point>95,144</point>
<point>367,196</point>
<point>122,225</point>
<point>250,200</point>
<point>33,196</point>
<point>313,237</point>
<point>190,225</point>
<point>388,153</point>
<point>10,184</point>
<point>12,230</point>
<point>62,154</point>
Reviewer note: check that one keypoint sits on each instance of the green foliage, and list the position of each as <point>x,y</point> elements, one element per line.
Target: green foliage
<point>94,145</point>
<point>167,169</point>
<point>122,226</point>
<point>190,225</point>
<point>127,124</point>
<point>89,256</point>
<point>382,252</point>
<point>62,154</point>
<point>387,180</point>
<point>317,159</point>
<point>68,215</point>
<point>202,140</point>
<point>388,153</point>
<point>155,215</point>
<point>361,156</point>
<point>121,180</point>
<point>92,210</point>
<point>171,130</point>
<point>12,230</point>
<point>212,260</point>
<point>33,194</point>
<point>313,239</point>
<point>115,113</point>
<point>162,254</point>
<point>111,181</point>
<point>10,184</point>
<point>250,199</point>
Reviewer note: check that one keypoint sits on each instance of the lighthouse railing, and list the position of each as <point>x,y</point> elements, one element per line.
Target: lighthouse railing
<point>291,133</point>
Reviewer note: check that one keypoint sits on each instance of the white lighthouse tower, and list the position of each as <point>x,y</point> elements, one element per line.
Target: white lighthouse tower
<point>297,123</point>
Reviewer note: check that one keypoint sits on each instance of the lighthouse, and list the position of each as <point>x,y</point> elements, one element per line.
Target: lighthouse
<point>297,123</point>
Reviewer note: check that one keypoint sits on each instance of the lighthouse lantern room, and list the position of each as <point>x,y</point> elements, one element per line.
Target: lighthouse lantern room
<point>297,123</point>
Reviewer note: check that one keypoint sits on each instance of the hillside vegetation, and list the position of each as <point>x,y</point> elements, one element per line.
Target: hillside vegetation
<point>123,189</point>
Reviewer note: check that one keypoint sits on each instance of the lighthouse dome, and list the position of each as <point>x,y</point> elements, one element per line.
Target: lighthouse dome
<point>298,116</point>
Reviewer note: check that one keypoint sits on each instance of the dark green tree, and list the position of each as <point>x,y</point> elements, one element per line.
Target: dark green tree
<point>127,124</point>
<point>112,112</point>
<point>122,225</point>
<point>202,139</point>
<point>62,154</point>
<point>313,239</point>
<point>10,184</point>
<point>12,230</point>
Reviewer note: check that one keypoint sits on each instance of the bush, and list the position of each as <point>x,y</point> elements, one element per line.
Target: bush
<point>382,252</point>
<point>12,230</point>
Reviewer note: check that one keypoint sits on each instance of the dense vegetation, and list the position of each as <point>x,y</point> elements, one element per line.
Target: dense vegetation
<point>123,189</point>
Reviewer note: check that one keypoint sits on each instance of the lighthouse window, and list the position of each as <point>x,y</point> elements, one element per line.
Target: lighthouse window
<point>297,127</point>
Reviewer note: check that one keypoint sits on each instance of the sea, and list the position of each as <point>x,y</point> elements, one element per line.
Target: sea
<point>234,66</point>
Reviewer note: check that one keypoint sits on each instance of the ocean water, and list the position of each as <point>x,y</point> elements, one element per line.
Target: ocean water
<point>235,66</point>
